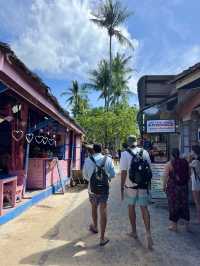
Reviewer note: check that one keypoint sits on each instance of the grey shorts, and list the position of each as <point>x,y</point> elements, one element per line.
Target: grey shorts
<point>97,199</point>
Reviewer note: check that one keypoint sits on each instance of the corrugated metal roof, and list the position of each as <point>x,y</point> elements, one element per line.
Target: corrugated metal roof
<point>186,72</point>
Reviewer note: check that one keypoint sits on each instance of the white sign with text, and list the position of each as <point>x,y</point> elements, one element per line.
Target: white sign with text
<point>161,126</point>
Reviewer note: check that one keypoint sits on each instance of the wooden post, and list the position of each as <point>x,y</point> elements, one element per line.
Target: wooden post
<point>26,167</point>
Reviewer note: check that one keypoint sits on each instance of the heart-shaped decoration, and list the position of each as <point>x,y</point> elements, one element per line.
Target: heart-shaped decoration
<point>51,142</point>
<point>45,140</point>
<point>17,135</point>
<point>29,137</point>
<point>39,139</point>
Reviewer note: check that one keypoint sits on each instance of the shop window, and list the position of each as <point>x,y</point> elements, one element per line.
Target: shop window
<point>159,148</point>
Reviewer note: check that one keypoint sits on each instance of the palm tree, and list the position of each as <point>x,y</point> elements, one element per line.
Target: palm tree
<point>100,81</point>
<point>77,98</point>
<point>110,16</point>
<point>121,76</point>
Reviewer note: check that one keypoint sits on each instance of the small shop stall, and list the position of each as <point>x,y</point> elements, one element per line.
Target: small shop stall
<point>158,124</point>
<point>39,142</point>
<point>157,141</point>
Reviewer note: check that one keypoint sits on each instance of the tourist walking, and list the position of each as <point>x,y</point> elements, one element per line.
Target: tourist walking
<point>99,170</point>
<point>135,177</point>
<point>195,177</point>
<point>175,185</point>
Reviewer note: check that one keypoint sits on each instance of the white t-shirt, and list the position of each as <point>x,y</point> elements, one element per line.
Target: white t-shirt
<point>195,164</point>
<point>126,159</point>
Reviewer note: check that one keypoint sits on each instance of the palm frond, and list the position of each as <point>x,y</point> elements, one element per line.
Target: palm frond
<point>66,93</point>
<point>122,39</point>
<point>98,22</point>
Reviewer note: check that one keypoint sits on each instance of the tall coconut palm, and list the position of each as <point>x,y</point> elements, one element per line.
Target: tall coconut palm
<point>77,99</point>
<point>121,76</point>
<point>110,16</point>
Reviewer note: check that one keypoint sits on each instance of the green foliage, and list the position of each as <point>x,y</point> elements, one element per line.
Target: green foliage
<point>100,80</point>
<point>77,98</point>
<point>109,128</point>
<point>121,73</point>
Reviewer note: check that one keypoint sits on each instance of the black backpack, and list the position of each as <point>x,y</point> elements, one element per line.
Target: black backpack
<point>139,171</point>
<point>99,180</point>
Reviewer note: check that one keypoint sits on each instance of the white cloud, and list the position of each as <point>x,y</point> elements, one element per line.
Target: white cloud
<point>57,38</point>
<point>191,56</point>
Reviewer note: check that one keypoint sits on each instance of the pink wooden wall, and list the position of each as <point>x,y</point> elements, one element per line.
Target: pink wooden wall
<point>35,179</point>
<point>43,173</point>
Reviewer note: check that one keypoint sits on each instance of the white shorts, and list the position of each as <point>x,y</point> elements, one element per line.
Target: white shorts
<point>195,184</point>
<point>139,197</point>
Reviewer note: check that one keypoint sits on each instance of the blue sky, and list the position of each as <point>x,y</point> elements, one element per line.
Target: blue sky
<point>56,39</point>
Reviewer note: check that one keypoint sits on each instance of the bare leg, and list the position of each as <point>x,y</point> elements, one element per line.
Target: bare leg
<point>95,216</point>
<point>132,218</point>
<point>147,223</point>
<point>196,196</point>
<point>173,226</point>
<point>103,219</point>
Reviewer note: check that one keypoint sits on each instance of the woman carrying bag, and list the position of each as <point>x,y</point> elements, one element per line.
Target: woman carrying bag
<point>176,187</point>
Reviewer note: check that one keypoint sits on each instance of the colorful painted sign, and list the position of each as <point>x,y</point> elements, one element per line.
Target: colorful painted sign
<point>161,126</point>
<point>157,181</point>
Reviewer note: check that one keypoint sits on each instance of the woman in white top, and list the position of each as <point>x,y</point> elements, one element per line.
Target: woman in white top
<point>195,177</point>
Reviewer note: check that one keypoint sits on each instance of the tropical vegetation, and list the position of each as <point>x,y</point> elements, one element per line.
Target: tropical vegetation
<point>109,128</point>
<point>77,98</point>
<point>111,123</point>
<point>111,15</point>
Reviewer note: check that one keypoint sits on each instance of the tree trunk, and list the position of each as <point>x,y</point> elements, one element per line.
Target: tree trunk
<point>105,103</point>
<point>110,74</point>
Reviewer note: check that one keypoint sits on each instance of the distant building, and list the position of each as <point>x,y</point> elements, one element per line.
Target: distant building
<point>171,98</point>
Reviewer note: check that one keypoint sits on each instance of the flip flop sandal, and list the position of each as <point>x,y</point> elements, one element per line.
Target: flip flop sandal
<point>93,230</point>
<point>104,242</point>
<point>173,229</point>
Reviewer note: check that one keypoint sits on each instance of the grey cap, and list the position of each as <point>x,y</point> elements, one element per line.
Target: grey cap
<point>132,140</point>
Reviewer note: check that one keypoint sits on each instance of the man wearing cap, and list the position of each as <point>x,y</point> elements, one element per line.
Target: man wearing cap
<point>135,196</point>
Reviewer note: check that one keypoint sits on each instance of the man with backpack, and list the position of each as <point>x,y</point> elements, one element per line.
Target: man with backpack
<point>135,165</point>
<point>99,170</point>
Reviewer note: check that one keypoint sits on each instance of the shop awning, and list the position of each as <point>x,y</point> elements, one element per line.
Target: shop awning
<point>167,101</point>
<point>29,86</point>
<point>188,102</point>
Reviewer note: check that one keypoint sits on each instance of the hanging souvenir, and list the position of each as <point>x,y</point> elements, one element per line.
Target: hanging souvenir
<point>16,108</point>
<point>39,139</point>
<point>29,137</point>
<point>51,142</point>
<point>17,134</point>
<point>45,140</point>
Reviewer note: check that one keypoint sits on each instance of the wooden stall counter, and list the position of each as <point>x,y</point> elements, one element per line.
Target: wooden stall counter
<point>12,180</point>
<point>43,172</point>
